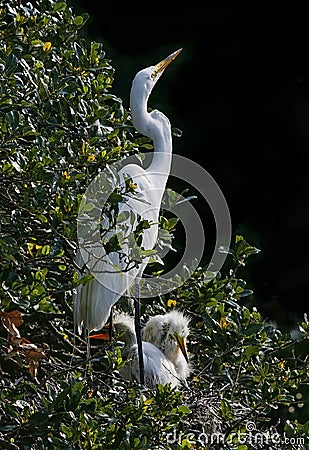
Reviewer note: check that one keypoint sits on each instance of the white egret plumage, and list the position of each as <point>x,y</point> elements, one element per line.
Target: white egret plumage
<point>165,358</point>
<point>157,368</point>
<point>93,301</point>
<point>169,332</point>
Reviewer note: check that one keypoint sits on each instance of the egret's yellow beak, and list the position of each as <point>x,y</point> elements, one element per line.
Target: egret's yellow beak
<point>162,65</point>
<point>183,348</point>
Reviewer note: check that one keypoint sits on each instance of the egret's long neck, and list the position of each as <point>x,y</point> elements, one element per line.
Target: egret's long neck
<point>138,107</point>
<point>162,144</point>
<point>155,126</point>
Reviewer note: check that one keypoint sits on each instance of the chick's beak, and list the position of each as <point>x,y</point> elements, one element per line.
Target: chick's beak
<point>183,348</point>
<point>162,65</point>
<point>106,335</point>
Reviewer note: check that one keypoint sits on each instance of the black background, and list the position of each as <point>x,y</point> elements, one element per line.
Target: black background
<point>239,92</point>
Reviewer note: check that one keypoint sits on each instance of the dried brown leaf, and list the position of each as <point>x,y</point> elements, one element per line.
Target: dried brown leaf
<point>11,321</point>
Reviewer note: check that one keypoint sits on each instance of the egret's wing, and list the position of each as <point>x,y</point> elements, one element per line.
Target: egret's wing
<point>115,272</point>
<point>93,301</point>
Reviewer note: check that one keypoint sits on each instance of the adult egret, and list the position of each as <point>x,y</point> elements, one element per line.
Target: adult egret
<point>93,301</point>
<point>168,332</point>
<point>157,368</point>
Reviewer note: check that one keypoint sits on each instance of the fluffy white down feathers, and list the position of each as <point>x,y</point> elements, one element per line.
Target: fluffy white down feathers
<point>163,336</point>
<point>169,333</point>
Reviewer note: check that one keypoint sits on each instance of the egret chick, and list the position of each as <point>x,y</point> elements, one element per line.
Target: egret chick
<point>168,333</point>
<point>157,368</point>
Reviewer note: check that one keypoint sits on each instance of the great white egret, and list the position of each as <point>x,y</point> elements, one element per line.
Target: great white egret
<point>93,301</point>
<point>158,368</point>
<point>168,332</point>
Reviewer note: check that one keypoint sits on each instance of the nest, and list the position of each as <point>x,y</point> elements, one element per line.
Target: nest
<point>211,424</point>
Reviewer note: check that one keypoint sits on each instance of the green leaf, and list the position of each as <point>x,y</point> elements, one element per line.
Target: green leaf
<point>115,198</point>
<point>252,350</point>
<point>124,215</point>
<point>114,243</point>
<point>170,223</point>
<point>184,409</point>
<point>86,279</point>
<point>142,225</point>
<point>78,21</point>
<point>12,119</point>
<point>253,329</point>
<point>46,250</point>
<point>146,253</point>
<point>226,410</point>
<point>60,6</point>
<point>86,207</point>
<point>209,322</point>
<point>243,250</point>
<point>212,302</point>
<point>43,218</point>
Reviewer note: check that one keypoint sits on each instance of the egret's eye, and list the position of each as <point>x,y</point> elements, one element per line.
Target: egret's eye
<point>154,74</point>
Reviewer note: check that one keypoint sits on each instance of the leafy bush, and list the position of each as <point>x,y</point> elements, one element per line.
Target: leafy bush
<point>59,127</point>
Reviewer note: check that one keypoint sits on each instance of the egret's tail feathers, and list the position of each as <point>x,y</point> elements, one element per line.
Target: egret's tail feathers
<point>93,301</point>
<point>92,306</point>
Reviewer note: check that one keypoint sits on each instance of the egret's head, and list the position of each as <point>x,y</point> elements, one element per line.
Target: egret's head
<point>158,69</point>
<point>147,78</point>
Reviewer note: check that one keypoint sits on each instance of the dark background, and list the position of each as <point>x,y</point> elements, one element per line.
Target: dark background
<point>239,92</point>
